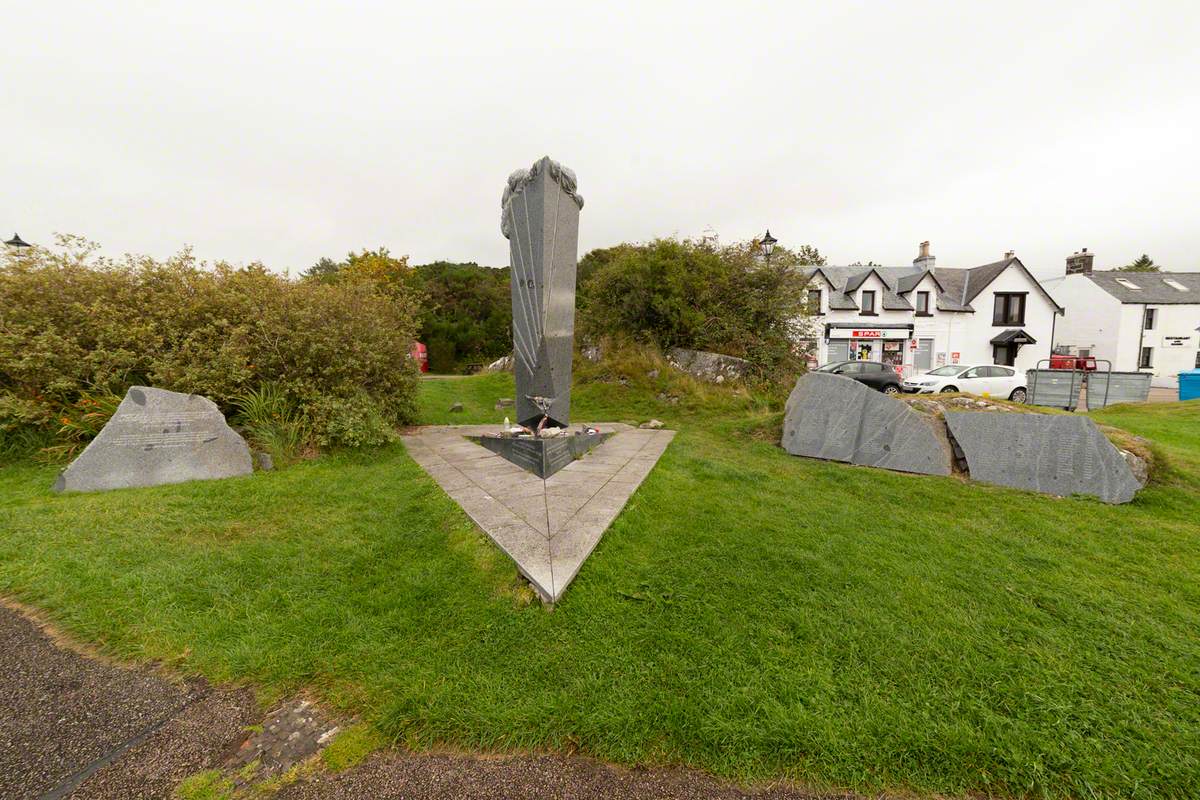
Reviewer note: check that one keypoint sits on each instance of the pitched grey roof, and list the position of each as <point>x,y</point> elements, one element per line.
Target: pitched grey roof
<point>958,287</point>
<point>1151,286</point>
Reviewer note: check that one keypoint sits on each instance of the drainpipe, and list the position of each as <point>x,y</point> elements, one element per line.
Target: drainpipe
<point>1141,338</point>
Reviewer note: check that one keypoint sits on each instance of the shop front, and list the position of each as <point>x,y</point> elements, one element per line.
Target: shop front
<point>886,343</point>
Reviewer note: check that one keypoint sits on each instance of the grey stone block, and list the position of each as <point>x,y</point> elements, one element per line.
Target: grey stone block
<point>839,419</point>
<point>540,219</point>
<point>1060,455</point>
<point>158,437</point>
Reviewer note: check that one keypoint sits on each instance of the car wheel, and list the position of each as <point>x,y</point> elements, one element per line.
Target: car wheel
<point>949,389</point>
<point>891,388</point>
<point>1018,395</point>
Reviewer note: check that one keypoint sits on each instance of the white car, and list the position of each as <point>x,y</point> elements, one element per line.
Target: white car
<point>985,380</point>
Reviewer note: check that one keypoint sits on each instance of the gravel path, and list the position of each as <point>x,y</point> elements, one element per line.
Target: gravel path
<point>79,727</point>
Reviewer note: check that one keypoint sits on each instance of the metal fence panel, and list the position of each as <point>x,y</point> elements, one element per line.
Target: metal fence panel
<point>1058,388</point>
<point>1110,388</point>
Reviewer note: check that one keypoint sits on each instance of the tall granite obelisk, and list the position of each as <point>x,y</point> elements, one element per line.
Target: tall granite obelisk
<point>540,219</point>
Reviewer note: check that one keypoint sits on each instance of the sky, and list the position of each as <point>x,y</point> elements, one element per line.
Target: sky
<point>282,132</point>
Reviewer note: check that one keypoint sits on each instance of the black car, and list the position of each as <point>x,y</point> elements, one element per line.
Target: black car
<point>875,374</point>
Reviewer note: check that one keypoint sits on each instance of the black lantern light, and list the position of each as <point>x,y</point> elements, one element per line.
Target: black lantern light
<point>17,241</point>
<point>767,244</point>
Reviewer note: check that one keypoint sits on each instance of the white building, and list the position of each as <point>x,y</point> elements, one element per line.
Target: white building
<point>925,316</point>
<point>1137,320</point>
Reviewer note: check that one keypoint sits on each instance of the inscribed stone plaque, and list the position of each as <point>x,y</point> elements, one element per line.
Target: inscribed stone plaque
<point>839,419</point>
<point>1061,455</point>
<point>158,437</point>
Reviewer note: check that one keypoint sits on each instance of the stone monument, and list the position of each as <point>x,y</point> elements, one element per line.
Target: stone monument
<point>540,218</point>
<point>839,419</point>
<point>158,437</point>
<point>1055,454</point>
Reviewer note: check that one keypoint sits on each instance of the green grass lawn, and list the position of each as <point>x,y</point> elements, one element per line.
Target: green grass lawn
<point>749,613</point>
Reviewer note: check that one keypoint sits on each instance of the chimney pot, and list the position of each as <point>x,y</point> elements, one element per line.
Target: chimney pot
<point>1009,254</point>
<point>1080,263</point>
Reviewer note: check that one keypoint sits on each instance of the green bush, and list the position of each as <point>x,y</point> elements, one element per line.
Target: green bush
<point>73,322</point>
<point>700,295</point>
<point>351,422</point>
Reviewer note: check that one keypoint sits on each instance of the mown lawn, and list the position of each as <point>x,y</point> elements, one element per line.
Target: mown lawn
<point>750,613</point>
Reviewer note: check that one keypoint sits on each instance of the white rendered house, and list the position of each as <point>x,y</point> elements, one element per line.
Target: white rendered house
<point>1140,321</point>
<point>923,316</point>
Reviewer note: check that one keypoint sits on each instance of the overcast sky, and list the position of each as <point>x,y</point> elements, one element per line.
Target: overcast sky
<point>278,132</point>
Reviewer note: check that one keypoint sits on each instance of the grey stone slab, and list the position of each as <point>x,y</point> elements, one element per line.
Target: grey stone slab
<point>540,218</point>
<point>1055,454</point>
<point>523,514</point>
<point>839,419</point>
<point>158,437</point>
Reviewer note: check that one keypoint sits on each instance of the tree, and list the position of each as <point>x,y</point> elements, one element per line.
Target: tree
<point>701,295</point>
<point>324,271</point>
<point>468,314</point>
<point>1142,263</point>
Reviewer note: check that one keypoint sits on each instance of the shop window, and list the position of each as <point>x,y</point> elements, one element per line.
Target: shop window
<point>868,302</point>
<point>1147,359</point>
<point>1009,308</point>
<point>923,304</point>
<point>1148,319</point>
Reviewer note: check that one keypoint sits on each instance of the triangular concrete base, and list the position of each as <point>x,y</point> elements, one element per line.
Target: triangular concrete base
<point>547,526</point>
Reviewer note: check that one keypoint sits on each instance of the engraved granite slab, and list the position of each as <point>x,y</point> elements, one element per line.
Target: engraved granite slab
<point>158,437</point>
<point>1055,454</point>
<point>839,419</point>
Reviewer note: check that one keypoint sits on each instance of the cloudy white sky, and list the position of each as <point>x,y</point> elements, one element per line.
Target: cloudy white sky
<point>281,132</point>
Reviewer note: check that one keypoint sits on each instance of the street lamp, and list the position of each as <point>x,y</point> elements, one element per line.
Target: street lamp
<point>17,241</point>
<point>767,245</point>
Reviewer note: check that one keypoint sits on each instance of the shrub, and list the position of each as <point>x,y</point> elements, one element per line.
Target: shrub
<point>700,295</point>
<point>272,422</point>
<point>72,323</point>
<point>352,422</point>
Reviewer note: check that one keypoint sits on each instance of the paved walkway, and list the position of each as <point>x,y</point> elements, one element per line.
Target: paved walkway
<point>548,527</point>
<point>75,726</point>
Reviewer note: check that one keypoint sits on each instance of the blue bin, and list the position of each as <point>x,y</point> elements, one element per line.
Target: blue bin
<point>1189,385</point>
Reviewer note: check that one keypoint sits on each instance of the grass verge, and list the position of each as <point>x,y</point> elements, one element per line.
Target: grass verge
<point>749,613</point>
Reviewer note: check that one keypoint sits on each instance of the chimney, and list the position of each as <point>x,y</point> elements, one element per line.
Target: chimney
<point>1008,254</point>
<point>924,260</point>
<point>1080,263</point>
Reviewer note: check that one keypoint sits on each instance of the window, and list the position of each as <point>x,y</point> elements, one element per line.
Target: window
<point>1147,359</point>
<point>1084,352</point>
<point>1009,308</point>
<point>1176,285</point>
<point>977,372</point>
<point>1004,354</point>
<point>1198,360</point>
<point>923,303</point>
<point>1148,319</point>
<point>814,301</point>
<point>868,302</point>
<point>1128,284</point>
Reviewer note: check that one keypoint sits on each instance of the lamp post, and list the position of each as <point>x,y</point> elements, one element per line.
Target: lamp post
<point>17,242</point>
<point>767,245</point>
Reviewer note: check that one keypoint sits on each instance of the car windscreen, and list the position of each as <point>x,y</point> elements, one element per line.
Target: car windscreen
<point>942,372</point>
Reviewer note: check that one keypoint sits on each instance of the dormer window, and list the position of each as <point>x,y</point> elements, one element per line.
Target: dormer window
<point>868,302</point>
<point>923,304</point>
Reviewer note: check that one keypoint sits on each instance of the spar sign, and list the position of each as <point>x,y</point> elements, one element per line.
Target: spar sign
<point>879,333</point>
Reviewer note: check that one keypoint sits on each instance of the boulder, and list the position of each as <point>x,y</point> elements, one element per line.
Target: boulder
<point>839,419</point>
<point>158,437</point>
<point>1055,454</point>
<point>713,367</point>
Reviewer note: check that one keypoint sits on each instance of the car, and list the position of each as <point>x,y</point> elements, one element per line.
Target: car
<point>986,380</point>
<point>875,374</point>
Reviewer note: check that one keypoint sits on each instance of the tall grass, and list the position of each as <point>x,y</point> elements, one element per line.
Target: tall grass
<point>273,422</point>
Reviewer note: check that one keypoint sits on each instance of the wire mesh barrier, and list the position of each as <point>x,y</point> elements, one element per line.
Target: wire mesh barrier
<point>1057,388</point>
